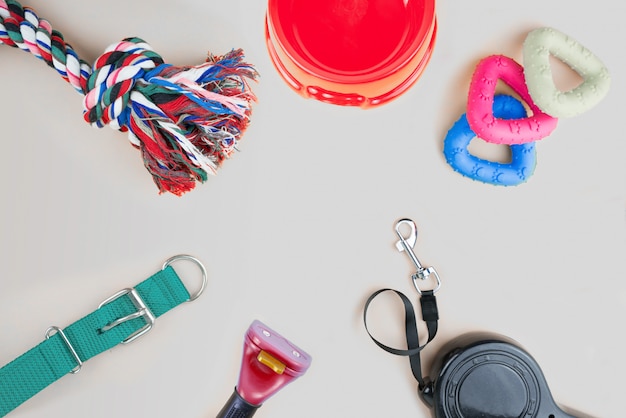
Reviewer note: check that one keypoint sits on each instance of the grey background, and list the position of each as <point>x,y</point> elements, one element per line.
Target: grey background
<point>297,229</point>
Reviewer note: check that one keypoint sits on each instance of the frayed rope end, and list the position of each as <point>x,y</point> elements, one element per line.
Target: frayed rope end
<point>185,120</point>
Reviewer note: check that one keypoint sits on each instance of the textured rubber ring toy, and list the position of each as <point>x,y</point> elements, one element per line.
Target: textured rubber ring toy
<point>538,46</point>
<point>480,104</point>
<point>523,156</point>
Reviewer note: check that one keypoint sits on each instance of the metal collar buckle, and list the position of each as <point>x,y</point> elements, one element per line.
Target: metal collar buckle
<point>142,309</point>
<point>142,312</point>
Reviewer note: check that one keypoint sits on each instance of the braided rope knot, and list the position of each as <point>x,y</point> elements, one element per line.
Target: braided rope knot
<point>115,74</point>
<point>185,120</point>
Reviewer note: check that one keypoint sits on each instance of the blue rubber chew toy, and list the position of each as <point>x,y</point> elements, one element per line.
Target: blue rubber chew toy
<point>523,156</point>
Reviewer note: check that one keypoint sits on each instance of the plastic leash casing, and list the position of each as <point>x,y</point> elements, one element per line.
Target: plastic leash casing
<point>487,375</point>
<point>269,363</point>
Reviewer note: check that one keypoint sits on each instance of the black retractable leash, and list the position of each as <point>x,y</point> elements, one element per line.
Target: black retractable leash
<point>476,375</point>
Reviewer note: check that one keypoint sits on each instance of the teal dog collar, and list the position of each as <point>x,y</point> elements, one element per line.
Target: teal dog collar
<point>120,319</point>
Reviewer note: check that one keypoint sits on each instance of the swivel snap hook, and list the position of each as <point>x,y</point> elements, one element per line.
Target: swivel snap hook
<point>406,244</point>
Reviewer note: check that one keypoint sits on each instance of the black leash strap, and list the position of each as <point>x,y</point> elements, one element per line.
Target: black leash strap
<point>430,315</point>
<point>428,303</point>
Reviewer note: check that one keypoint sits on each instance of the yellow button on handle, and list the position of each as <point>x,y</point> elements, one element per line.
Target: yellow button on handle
<point>270,361</point>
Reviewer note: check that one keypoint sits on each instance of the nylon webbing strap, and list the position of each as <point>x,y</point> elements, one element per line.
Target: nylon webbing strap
<point>430,315</point>
<point>111,324</point>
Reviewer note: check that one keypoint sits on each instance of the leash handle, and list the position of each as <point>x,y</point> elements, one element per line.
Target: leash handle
<point>237,407</point>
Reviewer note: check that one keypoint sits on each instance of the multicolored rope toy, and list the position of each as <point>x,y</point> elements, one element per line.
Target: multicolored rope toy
<point>535,85</point>
<point>185,120</point>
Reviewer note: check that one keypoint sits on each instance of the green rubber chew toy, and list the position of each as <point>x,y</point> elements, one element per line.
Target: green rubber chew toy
<point>538,46</point>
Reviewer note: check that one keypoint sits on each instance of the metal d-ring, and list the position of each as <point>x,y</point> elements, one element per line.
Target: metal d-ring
<point>197,262</point>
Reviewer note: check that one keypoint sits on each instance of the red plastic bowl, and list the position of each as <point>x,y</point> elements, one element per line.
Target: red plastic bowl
<point>351,52</point>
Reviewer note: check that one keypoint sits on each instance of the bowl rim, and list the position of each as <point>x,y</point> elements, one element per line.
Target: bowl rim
<point>389,66</point>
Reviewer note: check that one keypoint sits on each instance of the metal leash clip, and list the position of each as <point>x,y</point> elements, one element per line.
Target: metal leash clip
<point>406,244</point>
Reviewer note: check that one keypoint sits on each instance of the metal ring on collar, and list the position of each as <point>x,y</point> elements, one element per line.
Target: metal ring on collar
<point>538,46</point>
<point>175,258</point>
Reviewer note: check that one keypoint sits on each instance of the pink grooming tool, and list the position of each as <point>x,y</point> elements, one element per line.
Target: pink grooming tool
<point>269,363</point>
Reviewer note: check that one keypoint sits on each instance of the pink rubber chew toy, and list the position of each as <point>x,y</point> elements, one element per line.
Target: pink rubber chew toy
<point>480,104</point>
